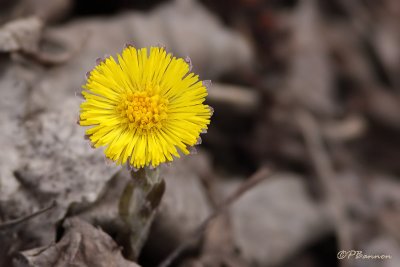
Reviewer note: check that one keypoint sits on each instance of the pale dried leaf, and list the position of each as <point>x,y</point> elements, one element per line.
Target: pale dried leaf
<point>82,245</point>
<point>21,35</point>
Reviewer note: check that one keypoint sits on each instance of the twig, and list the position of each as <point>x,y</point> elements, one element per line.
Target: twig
<point>323,167</point>
<point>197,234</point>
<point>18,221</point>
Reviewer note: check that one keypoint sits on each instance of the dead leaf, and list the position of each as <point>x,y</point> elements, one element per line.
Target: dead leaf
<point>82,245</point>
<point>310,76</point>
<point>21,35</point>
<point>275,219</point>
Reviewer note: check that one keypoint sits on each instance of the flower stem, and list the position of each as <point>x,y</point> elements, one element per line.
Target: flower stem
<point>138,205</point>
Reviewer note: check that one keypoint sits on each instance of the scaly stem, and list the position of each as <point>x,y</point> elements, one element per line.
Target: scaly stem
<point>138,204</point>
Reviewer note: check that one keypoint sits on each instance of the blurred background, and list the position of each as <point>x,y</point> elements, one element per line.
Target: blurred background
<point>309,89</point>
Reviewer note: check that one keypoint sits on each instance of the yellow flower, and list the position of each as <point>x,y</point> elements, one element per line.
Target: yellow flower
<point>145,107</point>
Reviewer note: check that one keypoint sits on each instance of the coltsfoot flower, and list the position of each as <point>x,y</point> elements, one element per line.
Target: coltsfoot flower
<point>145,107</point>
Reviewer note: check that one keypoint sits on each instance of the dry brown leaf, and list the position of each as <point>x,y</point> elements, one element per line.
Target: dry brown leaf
<point>310,78</point>
<point>82,245</point>
<point>275,219</point>
<point>21,35</point>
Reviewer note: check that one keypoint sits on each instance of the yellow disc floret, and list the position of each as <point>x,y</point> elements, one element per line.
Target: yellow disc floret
<point>143,111</point>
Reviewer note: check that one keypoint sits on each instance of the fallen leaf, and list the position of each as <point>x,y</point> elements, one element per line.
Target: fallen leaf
<point>81,245</point>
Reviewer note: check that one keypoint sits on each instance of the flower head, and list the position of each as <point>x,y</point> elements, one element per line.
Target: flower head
<point>145,107</point>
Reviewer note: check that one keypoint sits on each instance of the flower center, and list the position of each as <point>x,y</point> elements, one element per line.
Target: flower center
<point>143,110</point>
